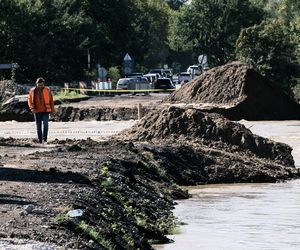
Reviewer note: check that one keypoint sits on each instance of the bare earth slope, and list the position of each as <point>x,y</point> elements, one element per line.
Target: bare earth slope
<point>238,92</point>
<point>9,89</point>
<point>211,148</point>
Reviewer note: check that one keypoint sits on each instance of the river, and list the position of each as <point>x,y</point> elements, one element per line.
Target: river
<point>244,216</point>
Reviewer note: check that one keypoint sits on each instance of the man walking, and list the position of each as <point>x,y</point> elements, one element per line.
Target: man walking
<point>40,102</point>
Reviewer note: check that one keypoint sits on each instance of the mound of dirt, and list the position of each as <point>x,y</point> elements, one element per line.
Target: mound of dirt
<point>94,113</point>
<point>16,108</point>
<point>221,142</point>
<point>9,89</point>
<point>238,92</point>
<point>124,201</point>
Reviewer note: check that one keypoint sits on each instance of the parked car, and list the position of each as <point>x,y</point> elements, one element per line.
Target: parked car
<point>135,83</point>
<point>194,70</point>
<point>123,83</point>
<point>167,73</point>
<point>134,74</point>
<point>164,83</point>
<point>156,71</point>
<point>184,77</point>
<point>175,80</point>
<point>152,78</point>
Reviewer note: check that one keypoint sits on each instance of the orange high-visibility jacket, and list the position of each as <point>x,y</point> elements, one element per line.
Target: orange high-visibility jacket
<point>44,105</point>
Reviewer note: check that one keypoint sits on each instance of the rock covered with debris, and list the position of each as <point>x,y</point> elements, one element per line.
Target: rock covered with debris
<point>238,92</point>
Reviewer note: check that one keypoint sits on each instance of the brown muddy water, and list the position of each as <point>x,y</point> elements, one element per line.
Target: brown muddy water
<point>244,216</point>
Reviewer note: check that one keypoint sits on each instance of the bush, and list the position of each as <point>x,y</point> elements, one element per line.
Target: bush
<point>270,49</point>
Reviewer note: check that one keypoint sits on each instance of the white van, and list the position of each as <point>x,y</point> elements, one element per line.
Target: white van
<point>194,70</point>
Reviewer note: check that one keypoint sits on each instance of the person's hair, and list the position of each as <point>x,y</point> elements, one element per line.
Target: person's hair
<point>40,80</point>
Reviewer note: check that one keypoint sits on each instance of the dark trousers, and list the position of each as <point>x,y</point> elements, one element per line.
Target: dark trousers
<point>39,119</point>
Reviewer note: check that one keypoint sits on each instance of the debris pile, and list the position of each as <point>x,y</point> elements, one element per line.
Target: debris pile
<point>238,92</point>
<point>86,195</point>
<point>9,89</point>
<point>211,147</point>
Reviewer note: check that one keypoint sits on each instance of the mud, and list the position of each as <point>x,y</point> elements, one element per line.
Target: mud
<point>98,108</point>
<point>9,89</point>
<point>126,186</point>
<point>237,92</point>
<point>211,148</point>
<point>119,190</point>
<point>98,114</point>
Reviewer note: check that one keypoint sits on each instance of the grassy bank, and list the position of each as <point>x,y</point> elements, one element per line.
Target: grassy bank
<point>68,95</point>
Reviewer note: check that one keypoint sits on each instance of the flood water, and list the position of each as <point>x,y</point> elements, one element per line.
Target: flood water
<point>244,216</point>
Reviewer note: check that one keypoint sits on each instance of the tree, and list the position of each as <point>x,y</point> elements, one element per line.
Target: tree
<point>150,25</point>
<point>114,74</point>
<point>212,27</point>
<point>176,4</point>
<point>43,38</point>
<point>51,38</point>
<point>270,49</point>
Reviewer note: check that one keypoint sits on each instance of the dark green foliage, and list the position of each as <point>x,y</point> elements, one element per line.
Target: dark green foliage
<point>269,48</point>
<point>51,38</point>
<point>175,4</point>
<point>43,38</point>
<point>212,27</point>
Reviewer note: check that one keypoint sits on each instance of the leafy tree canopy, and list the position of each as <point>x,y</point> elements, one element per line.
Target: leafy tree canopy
<point>270,49</point>
<point>176,4</point>
<point>212,27</point>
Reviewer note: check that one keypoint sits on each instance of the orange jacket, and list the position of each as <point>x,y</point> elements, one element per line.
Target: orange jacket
<point>45,105</point>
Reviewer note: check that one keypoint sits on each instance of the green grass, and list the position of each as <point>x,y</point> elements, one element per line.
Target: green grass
<point>68,95</point>
<point>96,236</point>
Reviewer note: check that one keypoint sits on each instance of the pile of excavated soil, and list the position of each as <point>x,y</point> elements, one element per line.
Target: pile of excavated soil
<point>238,92</point>
<point>16,108</point>
<point>9,89</point>
<point>123,199</point>
<point>13,106</point>
<point>99,109</point>
<point>94,113</point>
<point>212,147</point>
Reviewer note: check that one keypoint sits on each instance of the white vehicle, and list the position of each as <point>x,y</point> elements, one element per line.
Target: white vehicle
<point>194,70</point>
<point>184,77</point>
<point>152,78</point>
<point>133,83</point>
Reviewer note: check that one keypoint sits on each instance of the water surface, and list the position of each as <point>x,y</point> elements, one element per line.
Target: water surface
<point>244,216</point>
